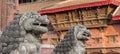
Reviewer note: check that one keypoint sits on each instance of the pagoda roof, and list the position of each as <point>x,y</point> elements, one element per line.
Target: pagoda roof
<point>71,3</point>
<point>75,4</point>
<point>116,14</point>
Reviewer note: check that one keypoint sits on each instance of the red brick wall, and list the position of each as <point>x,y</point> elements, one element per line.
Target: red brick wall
<point>113,30</point>
<point>3,14</point>
<point>14,9</point>
<point>0,12</point>
<point>7,10</point>
<point>96,33</point>
<point>109,31</point>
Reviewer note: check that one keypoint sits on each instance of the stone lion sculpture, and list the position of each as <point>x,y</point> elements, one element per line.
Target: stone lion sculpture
<point>22,35</point>
<point>74,41</point>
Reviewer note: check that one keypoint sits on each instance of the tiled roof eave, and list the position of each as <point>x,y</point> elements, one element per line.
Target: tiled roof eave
<point>115,17</point>
<point>74,7</point>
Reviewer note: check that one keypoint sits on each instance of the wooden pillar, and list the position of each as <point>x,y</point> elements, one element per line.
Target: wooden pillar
<point>103,33</point>
<point>110,9</point>
<point>70,16</point>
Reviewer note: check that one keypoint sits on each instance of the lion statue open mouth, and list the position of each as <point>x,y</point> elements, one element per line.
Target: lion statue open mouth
<point>74,41</point>
<point>22,35</point>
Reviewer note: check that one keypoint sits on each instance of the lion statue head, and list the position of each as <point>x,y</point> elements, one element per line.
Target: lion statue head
<point>34,22</point>
<point>73,41</point>
<point>28,26</point>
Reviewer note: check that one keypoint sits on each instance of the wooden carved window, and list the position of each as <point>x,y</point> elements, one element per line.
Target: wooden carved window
<point>62,17</point>
<point>75,15</point>
<point>89,13</point>
<point>97,40</point>
<point>102,12</point>
<point>84,14</point>
<point>88,23</point>
<point>80,14</point>
<point>102,21</point>
<point>95,22</point>
<point>112,38</point>
<point>52,18</point>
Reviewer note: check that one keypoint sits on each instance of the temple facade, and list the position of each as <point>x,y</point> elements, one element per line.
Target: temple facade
<point>101,17</point>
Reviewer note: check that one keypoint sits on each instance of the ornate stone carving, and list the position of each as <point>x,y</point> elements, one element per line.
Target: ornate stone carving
<point>22,35</point>
<point>74,41</point>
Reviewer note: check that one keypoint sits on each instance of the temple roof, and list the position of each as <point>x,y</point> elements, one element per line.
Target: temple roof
<point>116,14</point>
<point>71,3</point>
<point>75,4</point>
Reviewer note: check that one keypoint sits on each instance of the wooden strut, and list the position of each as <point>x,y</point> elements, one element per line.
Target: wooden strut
<point>102,30</point>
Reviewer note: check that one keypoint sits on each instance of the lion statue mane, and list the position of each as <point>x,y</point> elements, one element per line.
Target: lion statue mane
<point>74,41</point>
<point>22,35</point>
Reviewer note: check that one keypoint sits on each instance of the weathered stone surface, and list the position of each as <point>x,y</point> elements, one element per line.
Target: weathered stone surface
<point>0,47</point>
<point>74,41</point>
<point>4,44</point>
<point>21,36</point>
